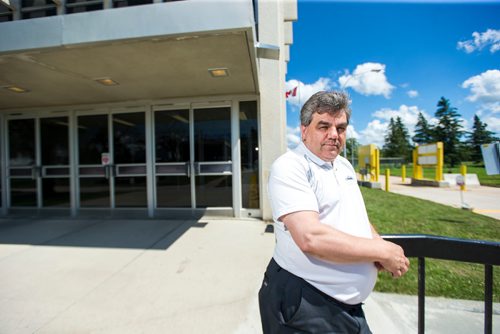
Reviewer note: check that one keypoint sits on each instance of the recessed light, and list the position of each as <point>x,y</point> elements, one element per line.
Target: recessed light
<point>16,89</point>
<point>107,81</point>
<point>219,72</point>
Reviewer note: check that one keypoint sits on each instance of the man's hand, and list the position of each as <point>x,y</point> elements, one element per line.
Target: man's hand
<point>394,260</point>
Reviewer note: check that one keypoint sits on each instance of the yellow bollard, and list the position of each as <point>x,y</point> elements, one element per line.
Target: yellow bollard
<point>403,173</point>
<point>387,175</point>
<point>463,171</point>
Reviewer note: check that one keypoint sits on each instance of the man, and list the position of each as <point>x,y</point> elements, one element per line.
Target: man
<point>327,253</point>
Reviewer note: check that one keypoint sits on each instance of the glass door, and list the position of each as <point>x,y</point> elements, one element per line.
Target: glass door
<point>38,166</point>
<point>212,157</point>
<point>129,160</point>
<point>193,166</point>
<point>23,170</point>
<point>93,175</point>
<point>112,160</point>
<point>172,154</point>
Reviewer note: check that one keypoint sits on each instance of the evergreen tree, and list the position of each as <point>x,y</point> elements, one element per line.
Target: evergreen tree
<point>389,148</point>
<point>397,140</point>
<point>449,131</point>
<point>479,136</point>
<point>423,131</point>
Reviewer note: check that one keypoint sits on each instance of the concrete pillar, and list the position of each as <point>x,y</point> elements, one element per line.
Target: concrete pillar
<point>272,96</point>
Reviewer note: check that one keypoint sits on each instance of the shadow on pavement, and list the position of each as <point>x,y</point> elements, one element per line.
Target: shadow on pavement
<point>103,233</point>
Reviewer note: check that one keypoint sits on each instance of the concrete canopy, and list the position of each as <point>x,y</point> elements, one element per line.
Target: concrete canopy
<point>158,51</point>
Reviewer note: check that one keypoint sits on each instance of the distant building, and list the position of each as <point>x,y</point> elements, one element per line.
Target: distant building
<point>142,107</point>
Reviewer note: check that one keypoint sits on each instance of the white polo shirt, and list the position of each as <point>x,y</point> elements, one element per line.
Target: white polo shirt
<point>301,181</point>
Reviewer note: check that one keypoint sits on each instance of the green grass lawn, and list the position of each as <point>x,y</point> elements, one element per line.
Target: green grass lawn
<point>429,173</point>
<point>397,214</point>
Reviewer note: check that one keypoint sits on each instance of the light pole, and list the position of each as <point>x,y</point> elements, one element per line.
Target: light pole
<point>344,87</point>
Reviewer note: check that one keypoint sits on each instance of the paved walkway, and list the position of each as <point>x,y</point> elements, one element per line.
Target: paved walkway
<point>160,276</point>
<point>481,199</point>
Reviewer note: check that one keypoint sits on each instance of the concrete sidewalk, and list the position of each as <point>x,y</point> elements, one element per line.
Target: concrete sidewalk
<point>159,276</point>
<point>131,276</point>
<point>482,200</point>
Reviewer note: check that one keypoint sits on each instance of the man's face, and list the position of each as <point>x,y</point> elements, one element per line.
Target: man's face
<point>325,136</point>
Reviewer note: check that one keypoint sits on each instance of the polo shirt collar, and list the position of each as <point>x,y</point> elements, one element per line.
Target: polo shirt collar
<point>303,150</point>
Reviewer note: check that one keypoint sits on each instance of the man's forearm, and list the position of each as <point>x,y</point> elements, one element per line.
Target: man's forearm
<point>330,244</point>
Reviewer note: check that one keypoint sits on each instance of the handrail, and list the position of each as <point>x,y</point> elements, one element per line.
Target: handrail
<point>464,250</point>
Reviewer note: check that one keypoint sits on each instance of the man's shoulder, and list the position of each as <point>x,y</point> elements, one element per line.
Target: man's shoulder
<point>290,157</point>
<point>290,163</point>
<point>343,162</point>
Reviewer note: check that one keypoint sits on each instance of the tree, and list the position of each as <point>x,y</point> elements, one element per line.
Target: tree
<point>479,136</point>
<point>448,131</point>
<point>397,140</point>
<point>423,131</point>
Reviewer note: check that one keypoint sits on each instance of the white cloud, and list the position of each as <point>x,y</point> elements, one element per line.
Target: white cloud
<point>375,131</point>
<point>481,40</point>
<point>305,91</point>
<point>485,90</point>
<point>408,114</point>
<point>493,123</point>
<point>366,81</point>
<point>490,114</point>
<point>292,136</point>
<point>484,87</point>
<point>351,132</point>
<point>412,93</point>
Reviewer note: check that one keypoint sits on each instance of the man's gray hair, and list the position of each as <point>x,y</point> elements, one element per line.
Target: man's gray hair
<point>332,102</point>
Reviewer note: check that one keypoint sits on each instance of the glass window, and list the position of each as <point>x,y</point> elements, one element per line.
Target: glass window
<point>212,134</point>
<point>92,138</point>
<point>54,140</point>
<point>249,139</point>
<point>22,142</point>
<point>129,138</point>
<point>172,135</point>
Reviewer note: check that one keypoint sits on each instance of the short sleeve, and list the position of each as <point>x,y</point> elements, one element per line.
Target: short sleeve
<point>289,188</point>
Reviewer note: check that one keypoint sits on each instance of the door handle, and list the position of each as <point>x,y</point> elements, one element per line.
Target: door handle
<point>109,171</point>
<point>188,169</point>
<point>36,171</point>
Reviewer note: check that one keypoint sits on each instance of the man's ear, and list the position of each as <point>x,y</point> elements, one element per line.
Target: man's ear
<point>303,130</point>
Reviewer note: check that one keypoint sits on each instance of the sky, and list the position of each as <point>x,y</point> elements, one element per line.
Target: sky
<point>397,58</point>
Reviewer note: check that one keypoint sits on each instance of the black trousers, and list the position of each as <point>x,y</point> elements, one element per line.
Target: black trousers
<point>289,304</point>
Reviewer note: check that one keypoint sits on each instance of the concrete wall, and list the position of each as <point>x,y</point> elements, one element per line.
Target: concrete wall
<point>272,30</point>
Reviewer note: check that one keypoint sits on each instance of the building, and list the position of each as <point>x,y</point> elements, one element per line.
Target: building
<point>144,107</point>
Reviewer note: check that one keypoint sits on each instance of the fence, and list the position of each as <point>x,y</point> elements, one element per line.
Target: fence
<point>475,251</point>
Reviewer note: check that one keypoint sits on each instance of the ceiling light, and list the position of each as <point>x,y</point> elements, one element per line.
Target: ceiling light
<point>219,72</point>
<point>16,89</point>
<point>107,82</point>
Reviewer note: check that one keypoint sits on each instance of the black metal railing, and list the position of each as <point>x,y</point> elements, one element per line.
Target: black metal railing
<point>437,247</point>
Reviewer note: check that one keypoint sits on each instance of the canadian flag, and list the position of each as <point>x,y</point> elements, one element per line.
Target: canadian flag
<point>291,92</point>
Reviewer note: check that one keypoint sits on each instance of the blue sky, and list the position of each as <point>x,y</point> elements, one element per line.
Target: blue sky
<point>423,50</point>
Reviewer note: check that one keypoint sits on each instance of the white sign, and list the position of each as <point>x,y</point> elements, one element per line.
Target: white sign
<point>491,157</point>
<point>427,160</point>
<point>460,180</point>
<point>430,148</point>
<point>105,159</point>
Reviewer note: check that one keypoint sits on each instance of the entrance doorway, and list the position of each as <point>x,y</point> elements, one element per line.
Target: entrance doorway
<point>193,165</point>
<point>112,160</point>
<point>38,162</point>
